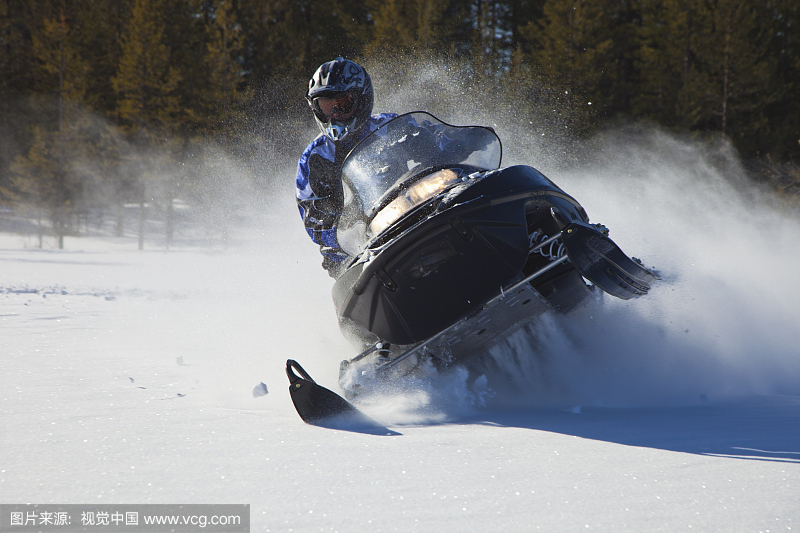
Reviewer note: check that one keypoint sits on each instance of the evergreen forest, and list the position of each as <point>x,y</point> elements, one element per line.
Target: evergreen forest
<point>91,89</point>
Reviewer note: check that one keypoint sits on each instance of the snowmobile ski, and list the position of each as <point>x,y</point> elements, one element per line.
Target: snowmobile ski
<point>601,261</point>
<point>315,403</point>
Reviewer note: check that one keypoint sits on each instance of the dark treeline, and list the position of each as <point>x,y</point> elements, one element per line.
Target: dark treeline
<point>177,73</point>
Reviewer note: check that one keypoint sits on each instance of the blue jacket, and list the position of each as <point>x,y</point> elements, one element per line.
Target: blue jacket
<point>319,187</point>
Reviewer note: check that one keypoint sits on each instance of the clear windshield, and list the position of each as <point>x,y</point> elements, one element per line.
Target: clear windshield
<point>402,165</point>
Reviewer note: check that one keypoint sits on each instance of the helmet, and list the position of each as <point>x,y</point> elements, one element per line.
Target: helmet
<point>340,94</point>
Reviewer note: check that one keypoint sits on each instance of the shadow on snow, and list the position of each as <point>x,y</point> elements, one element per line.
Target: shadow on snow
<point>760,428</point>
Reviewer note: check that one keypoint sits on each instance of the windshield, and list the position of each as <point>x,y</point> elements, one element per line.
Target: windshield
<point>404,164</point>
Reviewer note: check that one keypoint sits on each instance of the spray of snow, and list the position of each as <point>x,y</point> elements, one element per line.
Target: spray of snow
<point>721,323</point>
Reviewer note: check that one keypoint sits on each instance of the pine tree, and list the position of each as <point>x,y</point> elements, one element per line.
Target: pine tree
<point>148,101</point>
<point>41,178</point>
<point>57,52</point>
<point>286,40</point>
<point>708,67</point>
<point>395,27</point>
<point>226,94</point>
<point>97,27</point>
<point>490,40</point>
<point>45,174</point>
<point>734,57</point>
<point>669,64</point>
<point>5,47</point>
<point>783,139</point>
<point>19,76</point>
<point>145,81</point>
<point>407,29</point>
<point>571,48</point>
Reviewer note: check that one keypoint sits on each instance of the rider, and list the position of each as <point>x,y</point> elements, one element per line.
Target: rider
<point>340,95</point>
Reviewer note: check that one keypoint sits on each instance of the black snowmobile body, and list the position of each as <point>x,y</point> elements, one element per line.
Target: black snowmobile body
<point>449,252</point>
<point>451,262</point>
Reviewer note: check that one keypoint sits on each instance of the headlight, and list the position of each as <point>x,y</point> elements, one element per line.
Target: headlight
<point>419,192</point>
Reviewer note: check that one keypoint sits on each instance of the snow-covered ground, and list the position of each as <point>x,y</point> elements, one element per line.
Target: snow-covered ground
<point>127,377</point>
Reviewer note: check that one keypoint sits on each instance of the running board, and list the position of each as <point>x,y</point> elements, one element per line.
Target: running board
<point>496,318</point>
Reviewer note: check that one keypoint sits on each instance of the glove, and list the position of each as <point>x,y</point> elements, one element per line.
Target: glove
<point>334,260</point>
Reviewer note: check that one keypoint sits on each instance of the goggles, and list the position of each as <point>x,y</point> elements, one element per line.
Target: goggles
<point>339,105</point>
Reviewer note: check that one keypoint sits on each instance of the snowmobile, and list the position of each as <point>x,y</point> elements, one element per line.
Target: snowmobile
<point>449,253</point>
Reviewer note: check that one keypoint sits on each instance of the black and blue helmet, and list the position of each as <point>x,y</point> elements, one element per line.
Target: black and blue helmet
<point>340,94</point>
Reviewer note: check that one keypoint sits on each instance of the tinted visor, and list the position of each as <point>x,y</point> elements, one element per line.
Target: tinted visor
<point>338,105</point>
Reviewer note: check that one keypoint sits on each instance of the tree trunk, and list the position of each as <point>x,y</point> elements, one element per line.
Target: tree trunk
<point>141,222</point>
<point>41,230</point>
<point>119,225</point>
<point>168,226</point>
